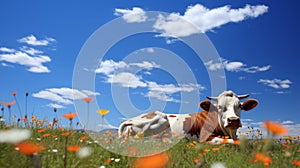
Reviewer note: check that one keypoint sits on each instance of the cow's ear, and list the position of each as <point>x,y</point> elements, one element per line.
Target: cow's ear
<point>249,104</point>
<point>207,105</point>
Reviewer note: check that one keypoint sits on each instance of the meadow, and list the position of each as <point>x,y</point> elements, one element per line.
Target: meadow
<point>33,142</point>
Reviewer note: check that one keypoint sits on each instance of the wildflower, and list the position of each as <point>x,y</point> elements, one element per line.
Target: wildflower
<point>275,128</point>
<point>14,93</point>
<point>14,135</point>
<point>102,112</point>
<point>70,115</point>
<point>73,148</point>
<point>218,165</point>
<point>88,99</point>
<point>41,130</point>
<point>54,150</point>
<point>82,138</point>
<point>46,135</point>
<point>296,163</point>
<point>102,166</point>
<point>216,149</point>
<point>29,148</point>
<point>154,161</point>
<point>117,160</point>
<point>196,160</point>
<point>206,150</point>
<point>260,157</point>
<point>8,104</point>
<point>84,152</point>
<point>107,160</point>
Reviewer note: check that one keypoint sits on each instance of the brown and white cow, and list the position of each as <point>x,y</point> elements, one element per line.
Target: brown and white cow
<point>219,119</point>
<point>145,124</point>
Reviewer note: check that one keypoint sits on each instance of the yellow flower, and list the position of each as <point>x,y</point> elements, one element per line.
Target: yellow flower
<point>102,111</point>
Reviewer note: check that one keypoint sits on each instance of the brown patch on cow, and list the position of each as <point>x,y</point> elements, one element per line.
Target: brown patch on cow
<point>172,115</point>
<point>149,115</point>
<point>209,120</point>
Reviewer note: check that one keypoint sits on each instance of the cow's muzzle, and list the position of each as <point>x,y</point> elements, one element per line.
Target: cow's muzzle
<point>233,123</point>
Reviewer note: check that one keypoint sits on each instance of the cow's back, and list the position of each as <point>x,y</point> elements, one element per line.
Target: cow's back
<point>192,124</point>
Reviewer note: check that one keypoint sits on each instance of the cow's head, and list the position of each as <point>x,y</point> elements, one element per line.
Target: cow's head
<point>229,108</point>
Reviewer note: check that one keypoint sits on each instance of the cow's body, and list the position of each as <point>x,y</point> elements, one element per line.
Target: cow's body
<point>147,124</point>
<point>220,119</point>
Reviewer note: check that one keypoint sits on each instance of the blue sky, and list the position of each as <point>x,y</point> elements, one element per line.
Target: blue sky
<point>257,41</point>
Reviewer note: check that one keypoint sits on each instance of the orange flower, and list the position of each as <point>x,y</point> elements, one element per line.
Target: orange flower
<point>296,163</point>
<point>41,130</point>
<point>8,104</point>
<point>46,135</point>
<point>14,93</point>
<point>29,148</point>
<point>61,128</point>
<point>54,136</point>
<point>196,160</point>
<point>88,99</point>
<point>107,160</point>
<point>154,161</point>
<point>260,157</point>
<point>206,150</point>
<point>215,149</point>
<point>73,148</point>
<point>66,134</point>
<point>275,128</point>
<point>70,115</point>
<point>82,138</point>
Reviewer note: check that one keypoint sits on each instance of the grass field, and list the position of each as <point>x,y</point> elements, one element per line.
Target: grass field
<point>59,147</point>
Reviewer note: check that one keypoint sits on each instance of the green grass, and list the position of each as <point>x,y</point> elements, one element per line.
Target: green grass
<point>181,155</point>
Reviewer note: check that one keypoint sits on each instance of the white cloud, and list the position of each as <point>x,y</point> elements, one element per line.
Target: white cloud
<point>32,40</point>
<point>164,92</point>
<point>63,95</point>
<point>30,50</point>
<point>150,50</point>
<point>136,15</point>
<point>53,105</point>
<point>234,66</point>
<point>116,72</point>
<point>109,66</point>
<point>126,79</point>
<point>145,65</point>
<point>276,83</point>
<point>35,63</point>
<point>204,19</point>
<point>7,50</point>
<point>107,126</point>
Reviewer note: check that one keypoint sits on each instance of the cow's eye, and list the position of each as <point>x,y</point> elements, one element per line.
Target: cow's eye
<point>224,109</point>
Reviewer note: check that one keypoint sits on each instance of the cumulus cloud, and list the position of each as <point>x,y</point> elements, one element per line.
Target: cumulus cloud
<point>204,19</point>
<point>53,105</point>
<point>234,66</point>
<point>63,95</point>
<point>276,83</point>
<point>126,79</point>
<point>164,92</point>
<point>108,67</point>
<point>34,63</point>
<point>32,40</point>
<point>119,73</point>
<point>7,50</point>
<point>29,57</point>
<point>134,15</point>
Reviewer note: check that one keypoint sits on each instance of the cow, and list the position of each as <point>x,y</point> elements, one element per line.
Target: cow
<point>219,119</point>
<point>152,123</point>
